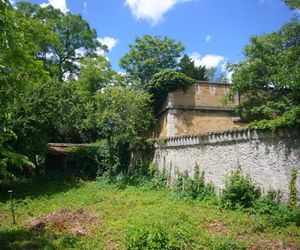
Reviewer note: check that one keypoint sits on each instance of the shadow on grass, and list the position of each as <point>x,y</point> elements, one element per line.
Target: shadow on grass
<point>49,184</point>
<point>16,239</point>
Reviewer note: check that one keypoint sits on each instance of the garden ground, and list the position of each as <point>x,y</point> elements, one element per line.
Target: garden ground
<point>68,214</point>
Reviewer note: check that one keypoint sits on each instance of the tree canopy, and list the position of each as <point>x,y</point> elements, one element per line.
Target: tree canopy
<point>148,55</point>
<point>269,78</point>
<point>39,49</point>
<point>61,39</point>
<point>187,66</point>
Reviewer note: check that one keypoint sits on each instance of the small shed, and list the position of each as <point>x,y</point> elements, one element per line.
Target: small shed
<point>60,157</point>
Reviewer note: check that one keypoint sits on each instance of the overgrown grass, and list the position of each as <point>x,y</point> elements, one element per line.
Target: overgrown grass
<point>131,216</point>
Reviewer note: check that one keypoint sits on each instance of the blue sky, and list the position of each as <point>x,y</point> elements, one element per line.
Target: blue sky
<point>213,31</point>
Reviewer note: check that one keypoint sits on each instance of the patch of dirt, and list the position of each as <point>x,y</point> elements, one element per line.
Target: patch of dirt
<point>217,227</point>
<point>273,245</point>
<point>77,222</point>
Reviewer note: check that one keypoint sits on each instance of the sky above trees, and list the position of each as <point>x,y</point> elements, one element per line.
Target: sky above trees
<point>213,31</point>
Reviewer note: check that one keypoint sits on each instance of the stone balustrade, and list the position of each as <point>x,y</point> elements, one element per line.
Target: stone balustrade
<point>234,135</point>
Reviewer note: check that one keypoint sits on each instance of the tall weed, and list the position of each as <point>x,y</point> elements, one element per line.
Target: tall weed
<point>239,192</point>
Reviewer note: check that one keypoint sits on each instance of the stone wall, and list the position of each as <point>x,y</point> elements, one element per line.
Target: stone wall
<point>203,121</point>
<point>201,94</point>
<point>268,158</point>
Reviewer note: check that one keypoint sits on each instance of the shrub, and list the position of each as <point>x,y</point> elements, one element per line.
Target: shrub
<point>267,204</point>
<point>278,214</point>
<point>194,188</point>
<point>239,192</point>
<point>285,215</point>
<point>160,236</point>
<point>160,179</point>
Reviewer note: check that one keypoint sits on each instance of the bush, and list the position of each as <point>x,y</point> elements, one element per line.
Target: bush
<point>159,179</point>
<point>194,188</point>
<point>279,214</point>
<point>267,204</point>
<point>139,176</point>
<point>160,236</point>
<point>284,215</point>
<point>239,192</point>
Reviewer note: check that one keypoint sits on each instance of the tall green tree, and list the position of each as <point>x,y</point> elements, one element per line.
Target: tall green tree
<point>53,113</point>
<point>95,74</point>
<point>18,70</point>
<point>63,38</point>
<point>148,55</point>
<point>269,78</point>
<point>187,66</point>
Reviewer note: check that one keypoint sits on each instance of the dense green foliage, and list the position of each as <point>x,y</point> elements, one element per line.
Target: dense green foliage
<point>54,87</point>
<point>269,79</point>
<point>17,67</point>
<point>239,192</point>
<point>187,66</point>
<point>58,37</point>
<point>166,81</point>
<point>194,188</point>
<point>149,55</point>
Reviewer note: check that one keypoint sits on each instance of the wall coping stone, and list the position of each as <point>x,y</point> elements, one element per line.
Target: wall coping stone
<point>234,135</point>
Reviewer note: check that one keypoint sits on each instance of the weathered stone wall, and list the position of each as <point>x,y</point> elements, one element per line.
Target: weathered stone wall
<point>267,157</point>
<point>201,94</point>
<point>198,109</point>
<point>161,126</point>
<point>203,121</point>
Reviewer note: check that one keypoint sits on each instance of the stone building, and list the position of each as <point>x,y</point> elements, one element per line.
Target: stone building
<point>197,110</point>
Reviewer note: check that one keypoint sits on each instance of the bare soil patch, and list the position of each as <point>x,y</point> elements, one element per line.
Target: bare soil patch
<point>77,222</point>
<point>273,245</point>
<point>218,228</point>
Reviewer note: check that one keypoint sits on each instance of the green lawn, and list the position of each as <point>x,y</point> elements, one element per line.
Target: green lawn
<point>102,215</point>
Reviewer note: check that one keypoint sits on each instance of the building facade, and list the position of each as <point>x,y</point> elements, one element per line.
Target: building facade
<point>197,110</point>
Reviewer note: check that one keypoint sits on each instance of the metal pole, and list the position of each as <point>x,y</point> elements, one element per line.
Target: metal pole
<point>12,206</point>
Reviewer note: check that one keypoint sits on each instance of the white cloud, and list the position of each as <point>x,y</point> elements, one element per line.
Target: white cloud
<point>109,42</point>
<point>209,61</point>
<point>208,38</point>
<point>85,7</point>
<point>270,2</point>
<point>12,2</point>
<point>151,10</point>
<point>57,4</point>
<point>212,61</point>
<point>226,72</point>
